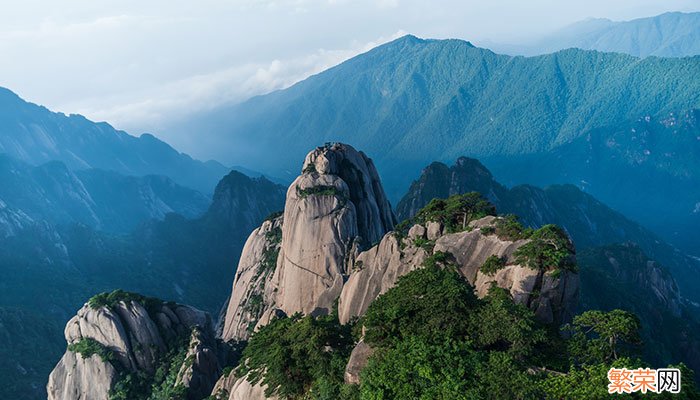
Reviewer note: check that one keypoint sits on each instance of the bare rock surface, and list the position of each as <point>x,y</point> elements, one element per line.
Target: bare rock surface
<point>552,297</point>
<point>130,337</point>
<point>358,361</point>
<point>252,294</point>
<point>334,208</point>
<point>336,244</point>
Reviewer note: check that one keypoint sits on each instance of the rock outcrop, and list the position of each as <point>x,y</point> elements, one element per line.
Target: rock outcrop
<point>230,387</point>
<point>252,295</point>
<point>336,204</point>
<point>552,296</point>
<point>333,209</point>
<point>131,335</point>
<point>334,243</point>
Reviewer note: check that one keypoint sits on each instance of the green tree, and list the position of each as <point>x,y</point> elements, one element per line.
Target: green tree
<point>416,368</point>
<point>291,355</point>
<point>431,302</point>
<point>456,211</point>
<point>549,249</point>
<point>501,325</point>
<point>601,337</point>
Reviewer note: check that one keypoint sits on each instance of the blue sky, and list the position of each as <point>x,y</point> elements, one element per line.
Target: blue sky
<point>142,64</point>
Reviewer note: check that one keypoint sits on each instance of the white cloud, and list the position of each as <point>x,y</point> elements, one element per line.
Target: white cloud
<point>166,104</point>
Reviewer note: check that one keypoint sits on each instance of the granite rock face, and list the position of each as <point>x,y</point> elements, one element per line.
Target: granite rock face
<point>135,337</point>
<point>251,295</point>
<point>231,387</point>
<point>333,209</point>
<point>551,296</point>
<point>334,242</point>
<point>336,205</point>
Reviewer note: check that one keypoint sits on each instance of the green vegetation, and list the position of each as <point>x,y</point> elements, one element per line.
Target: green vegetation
<point>549,249</point>
<point>112,299</point>
<point>159,386</point>
<point>430,303</point>
<point>433,339</point>
<point>274,236</point>
<point>310,168</point>
<point>320,190</point>
<point>425,244</point>
<point>509,228</point>
<point>456,212</point>
<point>87,347</point>
<point>296,355</point>
<point>492,264</point>
<point>601,337</point>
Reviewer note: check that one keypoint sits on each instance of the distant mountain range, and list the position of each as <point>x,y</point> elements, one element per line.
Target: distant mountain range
<point>413,101</point>
<point>103,200</point>
<point>672,34</point>
<point>35,135</point>
<point>623,120</point>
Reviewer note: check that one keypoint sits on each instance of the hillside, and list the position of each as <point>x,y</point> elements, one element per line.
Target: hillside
<point>672,34</point>
<point>414,101</point>
<point>36,135</point>
<point>589,222</point>
<point>102,200</point>
<point>48,270</point>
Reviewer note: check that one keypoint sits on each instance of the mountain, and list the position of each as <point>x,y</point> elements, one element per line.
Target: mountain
<point>623,276</point>
<point>119,340</point>
<point>35,135</point>
<point>672,34</point>
<point>417,100</point>
<point>331,299</point>
<point>414,101</point>
<point>103,200</point>
<point>49,270</point>
<point>332,253</point>
<point>646,168</point>
<point>589,222</point>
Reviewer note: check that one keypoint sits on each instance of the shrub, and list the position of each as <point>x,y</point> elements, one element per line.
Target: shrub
<point>110,300</point>
<point>501,325</point>
<point>424,244</point>
<point>492,264</point>
<point>417,368</point>
<point>430,302</point>
<point>87,347</point>
<point>320,190</point>
<point>456,212</point>
<point>509,228</point>
<point>549,249</point>
<point>290,355</point>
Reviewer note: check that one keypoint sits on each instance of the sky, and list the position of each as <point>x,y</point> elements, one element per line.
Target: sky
<point>145,65</point>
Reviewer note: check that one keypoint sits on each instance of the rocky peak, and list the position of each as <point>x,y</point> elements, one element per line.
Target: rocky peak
<point>373,212</point>
<point>117,337</point>
<point>332,210</point>
<point>440,181</point>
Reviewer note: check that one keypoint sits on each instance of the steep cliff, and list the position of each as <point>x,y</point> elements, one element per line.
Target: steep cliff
<point>334,242</point>
<point>334,208</point>
<point>623,276</point>
<point>123,345</point>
